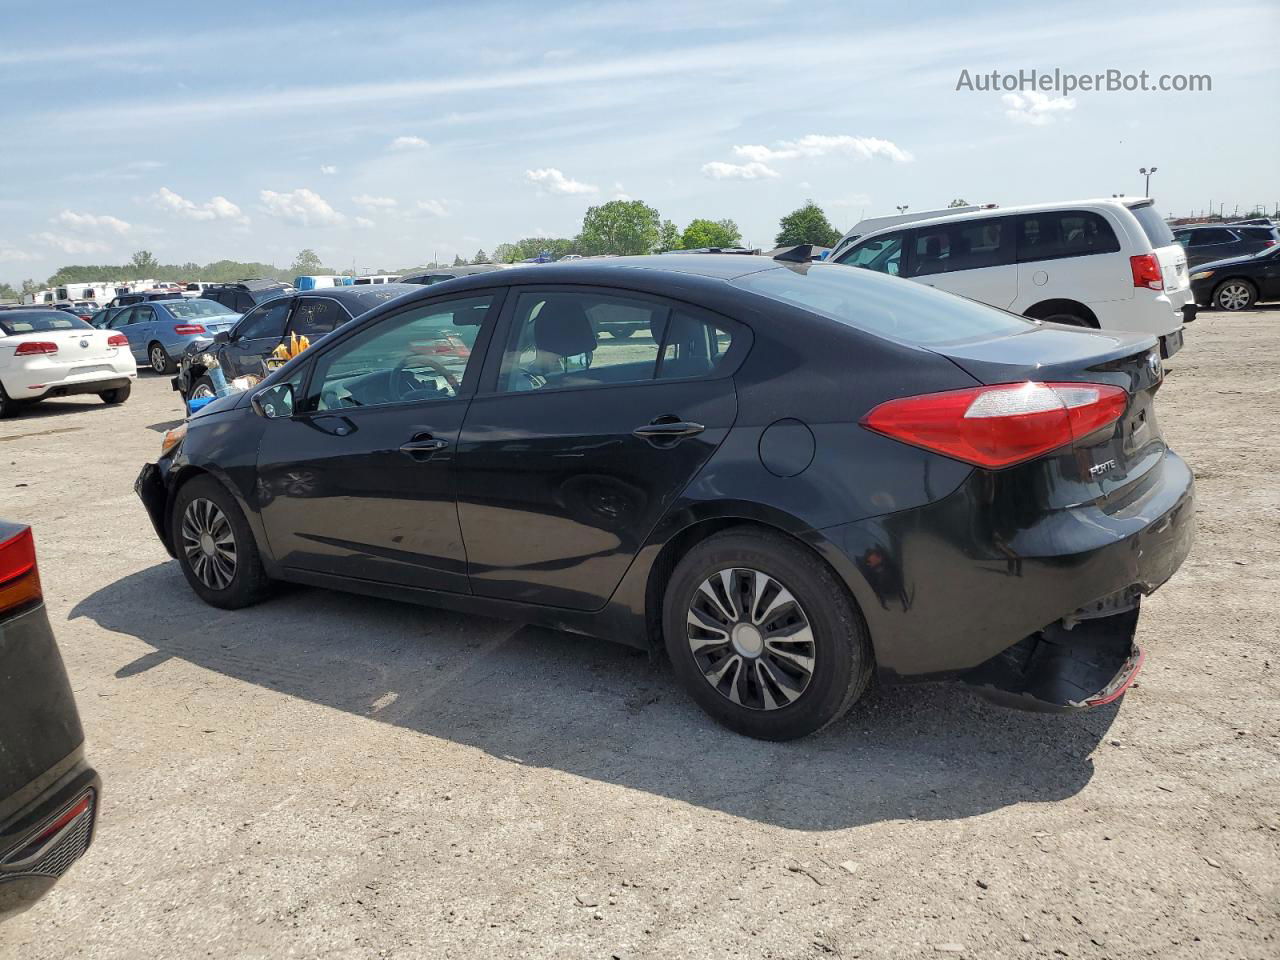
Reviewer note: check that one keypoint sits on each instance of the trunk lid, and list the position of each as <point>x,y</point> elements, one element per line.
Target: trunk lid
<point>74,346</point>
<point>1107,465</point>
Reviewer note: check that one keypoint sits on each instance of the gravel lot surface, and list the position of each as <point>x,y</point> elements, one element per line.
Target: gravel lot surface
<point>332,776</point>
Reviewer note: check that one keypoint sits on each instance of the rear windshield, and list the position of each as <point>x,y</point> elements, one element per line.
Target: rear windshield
<point>194,308</point>
<point>1153,225</point>
<point>41,321</point>
<point>898,309</point>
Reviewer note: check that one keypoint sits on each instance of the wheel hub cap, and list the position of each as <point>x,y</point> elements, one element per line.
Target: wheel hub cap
<point>751,639</point>
<point>209,544</point>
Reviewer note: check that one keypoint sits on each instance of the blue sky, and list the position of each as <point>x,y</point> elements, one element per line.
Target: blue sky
<point>385,137</point>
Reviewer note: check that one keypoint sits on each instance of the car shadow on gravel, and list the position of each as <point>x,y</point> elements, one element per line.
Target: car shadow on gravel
<point>548,699</point>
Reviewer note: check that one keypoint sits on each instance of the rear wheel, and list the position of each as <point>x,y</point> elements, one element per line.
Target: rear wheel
<point>118,395</point>
<point>1234,295</point>
<point>159,358</point>
<point>763,636</point>
<point>215,546</point>
<point>620,333</point>
<point>7,407</point>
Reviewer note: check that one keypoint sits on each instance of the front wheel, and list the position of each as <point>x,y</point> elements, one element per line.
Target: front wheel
<point>1234,295</point>
<point>215,546</point>
<point>159,357</point>
<point>764,637</point>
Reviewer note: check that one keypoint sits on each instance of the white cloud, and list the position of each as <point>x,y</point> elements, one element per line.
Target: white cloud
<point>69,244</point>
<point>1036,108</point>
<point>408,143</point>
<point>365,200</point>
<point>435,208</point>
<point>821,145</point>
<point>302,207</point>
<point>365,223</point>
<point>88,221</point>
<point>328,169</point>
<point>218,208</point>
<point>556,182</point>
<point>14,255</point>
<point>719,170</point>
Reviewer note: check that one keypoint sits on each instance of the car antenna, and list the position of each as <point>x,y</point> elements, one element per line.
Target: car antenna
<point>800,253</point>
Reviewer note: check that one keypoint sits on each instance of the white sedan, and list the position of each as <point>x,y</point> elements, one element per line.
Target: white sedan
<point>48,353</point>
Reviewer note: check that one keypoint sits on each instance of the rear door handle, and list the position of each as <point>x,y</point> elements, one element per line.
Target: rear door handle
<point>668,429</point>
<point>422,446</point>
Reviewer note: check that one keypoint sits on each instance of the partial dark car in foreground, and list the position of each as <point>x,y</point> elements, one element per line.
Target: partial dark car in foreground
<point>244,348</point>
<point>1238,283</point>
<point>797,475</point>
<point>48,792</point>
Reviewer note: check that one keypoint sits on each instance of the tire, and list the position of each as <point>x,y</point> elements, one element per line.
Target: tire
<point>246,583</point>
<point>159,357</point>
<point>620,333</point>
<point>837,644</point>
<point>1235,295</point>
<point>1067,319</point>
<point>7,407</point>
<point>118,395</point>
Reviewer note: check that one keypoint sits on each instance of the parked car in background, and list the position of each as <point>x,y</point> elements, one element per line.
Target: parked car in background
<point>49,353</point>
<point>1239,282</point>
<point>144,296</point>
<point>1108,264</point>
<point>159,331</point>
<point>75,310</point>
<point>244,349</point>
<point>322,281</point>
<point>876,224</point>
<point>1222,242</point>
<point>48,791</point>
<point>428,277</point>
<point>375,279</point>
<point>244,295</point>
<point>799,474</point>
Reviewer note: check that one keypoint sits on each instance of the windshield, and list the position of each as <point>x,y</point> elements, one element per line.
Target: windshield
<point>194,309</point>
<point>1153,225</point>
<point>885,306</point>
<point>41,321</point>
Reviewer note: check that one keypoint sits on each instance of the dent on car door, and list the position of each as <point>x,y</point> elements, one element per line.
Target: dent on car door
<point>357,480</point>
<point>578,444</point>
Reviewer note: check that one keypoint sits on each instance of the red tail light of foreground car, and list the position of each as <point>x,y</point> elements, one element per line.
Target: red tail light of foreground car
<point>999,426</point>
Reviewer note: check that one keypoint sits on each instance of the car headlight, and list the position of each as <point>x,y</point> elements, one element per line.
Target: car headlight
<point>1202,275</point>
<point>171,439</point>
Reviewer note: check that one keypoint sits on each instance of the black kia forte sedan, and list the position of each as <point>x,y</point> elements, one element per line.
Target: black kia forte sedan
<point>48,792</point>
<point>792,476</point>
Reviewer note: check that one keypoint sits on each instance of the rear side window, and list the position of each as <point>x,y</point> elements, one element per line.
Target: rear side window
<point>963,245</point>
<point>1256,233</point>
<point>881,254</point>
<point>694,346</point>
<point>315,318</point>
<point>1153,225</point>
<point>1055,234</point>
<point>907,312</point>
<point>1203,238</point>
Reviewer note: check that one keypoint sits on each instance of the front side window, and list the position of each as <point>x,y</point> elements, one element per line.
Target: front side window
<point>968,245</point>
<point>419,355</point>
<point>315,318</point>
<point>1064,233</point>
<point>881,254</point>
<point>567,339</point>
<point>140,314</point>
<point>265,322</point>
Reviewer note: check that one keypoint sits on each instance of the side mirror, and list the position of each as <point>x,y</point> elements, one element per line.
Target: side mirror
<point>223,336</point>
<point>274,403</point>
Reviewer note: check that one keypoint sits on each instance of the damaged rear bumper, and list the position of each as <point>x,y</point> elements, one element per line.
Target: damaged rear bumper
<point>1063,670</point>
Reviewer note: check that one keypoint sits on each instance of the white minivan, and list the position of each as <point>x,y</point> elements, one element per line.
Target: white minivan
<point>1108,264</point>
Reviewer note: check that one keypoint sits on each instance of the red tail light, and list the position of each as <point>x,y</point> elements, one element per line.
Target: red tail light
<point>1146,271</point>
<point>1268,243</point>
<point>31,348</point>
<point>117,340</point>
<point>19,576</point>
<point>1002,425</point>
<point>183,328</point>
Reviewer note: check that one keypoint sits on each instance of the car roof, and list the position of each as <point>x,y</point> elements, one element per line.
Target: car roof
<point>366,296</point>
<point>1112,202</point>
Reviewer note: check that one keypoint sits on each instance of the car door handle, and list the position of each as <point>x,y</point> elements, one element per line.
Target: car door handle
<point>665,428</point>
<point>423,443</point>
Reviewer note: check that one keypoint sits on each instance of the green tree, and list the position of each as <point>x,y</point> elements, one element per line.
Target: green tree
<point>143,263</point>
<point>958,203</point>
<point>710,233</point>
<point>808,224</point>
<point>306,263</point>
<point>458,261</point>
<point>668,237</point>
<point>7,292</point>
<point>480,257</point>
<point>620,227</point>
<point>504,253</point>
<point>30,286</point>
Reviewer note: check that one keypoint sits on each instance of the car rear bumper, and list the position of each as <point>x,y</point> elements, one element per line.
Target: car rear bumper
<point>949,586</point>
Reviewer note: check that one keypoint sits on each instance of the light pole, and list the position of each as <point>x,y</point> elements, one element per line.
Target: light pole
<point>1147,173</point>
<point>903,208</point>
